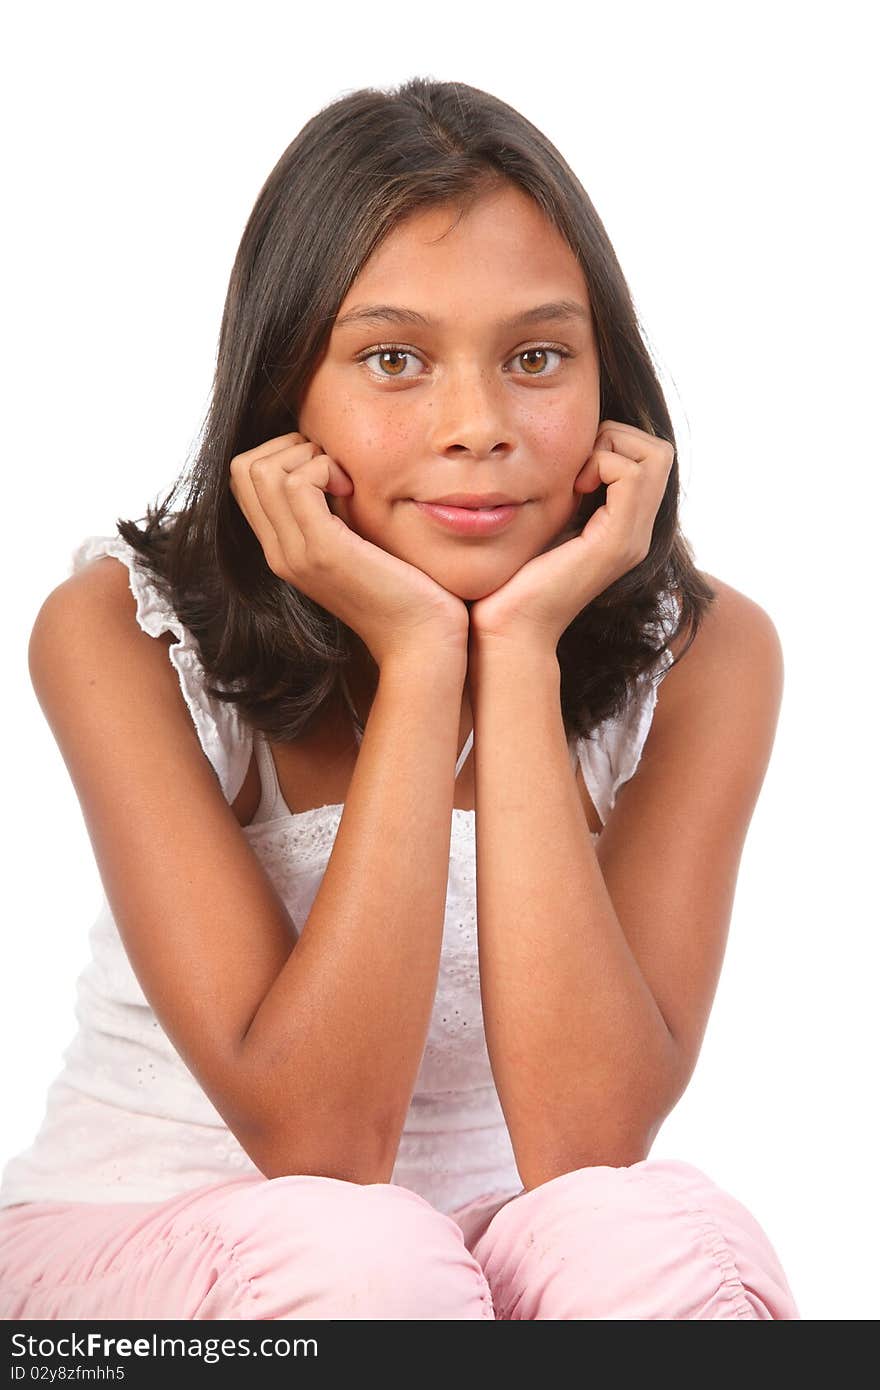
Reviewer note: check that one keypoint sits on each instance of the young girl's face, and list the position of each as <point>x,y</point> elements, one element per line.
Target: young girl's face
<point>478,398</point>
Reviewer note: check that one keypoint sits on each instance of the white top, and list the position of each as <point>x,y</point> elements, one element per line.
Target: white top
<point>125,1119</point>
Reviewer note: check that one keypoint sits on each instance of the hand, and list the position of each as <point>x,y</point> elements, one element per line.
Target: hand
<point>396,609</point>
<point>537,603</point>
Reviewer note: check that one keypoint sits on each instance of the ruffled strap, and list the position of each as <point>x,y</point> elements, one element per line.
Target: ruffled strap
<point>612,755</point>
<point>226,738</point>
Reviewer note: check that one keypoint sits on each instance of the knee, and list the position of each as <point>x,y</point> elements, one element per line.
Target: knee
<point>655,1239</point>
<point>317,1247</point>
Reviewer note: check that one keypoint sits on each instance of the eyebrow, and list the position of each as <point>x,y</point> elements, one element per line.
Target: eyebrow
<point>558,309</point>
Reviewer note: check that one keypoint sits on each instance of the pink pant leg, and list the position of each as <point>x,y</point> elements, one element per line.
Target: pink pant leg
<point>655,1240</point>
<point>252,1247</point>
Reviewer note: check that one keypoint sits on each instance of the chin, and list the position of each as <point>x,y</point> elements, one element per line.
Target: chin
<point>469,588</point>
<point>470,593</point>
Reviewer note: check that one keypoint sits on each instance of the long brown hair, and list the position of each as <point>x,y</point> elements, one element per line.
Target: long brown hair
<point>354,171</point>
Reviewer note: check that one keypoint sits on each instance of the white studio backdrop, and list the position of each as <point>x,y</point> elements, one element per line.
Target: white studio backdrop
<point>728,154</point>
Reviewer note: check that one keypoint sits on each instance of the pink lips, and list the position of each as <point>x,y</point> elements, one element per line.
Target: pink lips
<point>471,521</point>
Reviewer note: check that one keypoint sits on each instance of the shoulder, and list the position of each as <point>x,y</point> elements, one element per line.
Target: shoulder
<point>81,614</point>
<point>735,663</point>
<point>733,625</point>
<point>101,583</point>
<point>101,587</point>
<point>107,631</point>
<point>104,578</point>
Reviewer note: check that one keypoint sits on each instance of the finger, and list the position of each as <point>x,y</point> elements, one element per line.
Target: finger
<point>242,482</point>
<point>605,466</point>
<point>627,500</point>
<point>274,446</point>
<point>245,494</point>
<point>620,425</point>
<point>588,479</point>
<point>634,443</point>
<point>293,501</point>
<point>338,483</point>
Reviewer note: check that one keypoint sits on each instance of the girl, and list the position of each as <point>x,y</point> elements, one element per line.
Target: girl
<point>416,893</point>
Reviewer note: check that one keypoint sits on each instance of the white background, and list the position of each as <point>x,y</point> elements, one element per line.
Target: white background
<point>728,153</point>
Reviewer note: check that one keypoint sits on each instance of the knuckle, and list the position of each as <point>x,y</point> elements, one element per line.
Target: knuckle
<point>292,485</point>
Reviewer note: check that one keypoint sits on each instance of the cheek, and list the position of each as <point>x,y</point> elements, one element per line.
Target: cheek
<point>352,429</point>
<point>562,441</point>
<point>377,442</point>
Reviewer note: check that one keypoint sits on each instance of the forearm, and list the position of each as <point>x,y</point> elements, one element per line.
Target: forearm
<point>342,1030</point>
<point>576,1040</point>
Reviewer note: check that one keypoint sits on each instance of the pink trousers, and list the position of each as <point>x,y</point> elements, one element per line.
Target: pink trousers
<point>657,1239</point>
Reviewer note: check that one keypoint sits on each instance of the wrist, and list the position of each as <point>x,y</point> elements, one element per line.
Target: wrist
<point>434,666</point>
<point>498,652</point>
<point>504,662</point>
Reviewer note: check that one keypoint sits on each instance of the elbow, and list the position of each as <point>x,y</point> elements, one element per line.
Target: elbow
<point>614,1134</point>
<point>281,1163</point>
<point>309,1132</point>
<point>618,1150</point>
<point>652,1100</point>
<point>324,1150</point>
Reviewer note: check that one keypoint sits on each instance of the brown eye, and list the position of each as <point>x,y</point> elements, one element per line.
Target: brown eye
<point>540,353</point>
<point>385,359</point>
<point>531,353</point>
<point>390,357</point>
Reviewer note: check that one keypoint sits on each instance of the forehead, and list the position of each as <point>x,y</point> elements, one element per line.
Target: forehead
<point>502,245</point>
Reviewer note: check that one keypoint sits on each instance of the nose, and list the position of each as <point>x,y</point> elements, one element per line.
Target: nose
<point>470,415</point>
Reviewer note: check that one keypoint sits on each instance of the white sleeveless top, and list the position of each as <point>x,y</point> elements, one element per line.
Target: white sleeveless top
<point>125,1119</point>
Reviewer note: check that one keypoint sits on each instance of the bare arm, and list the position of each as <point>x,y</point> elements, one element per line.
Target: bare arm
<point>342,1024</point>
<point>579,1049</point>
<point>599,964</point>
<point>309,1049</point>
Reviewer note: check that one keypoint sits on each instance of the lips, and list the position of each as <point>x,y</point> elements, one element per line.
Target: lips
<point>471,520</point>
<point>474,501</point>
